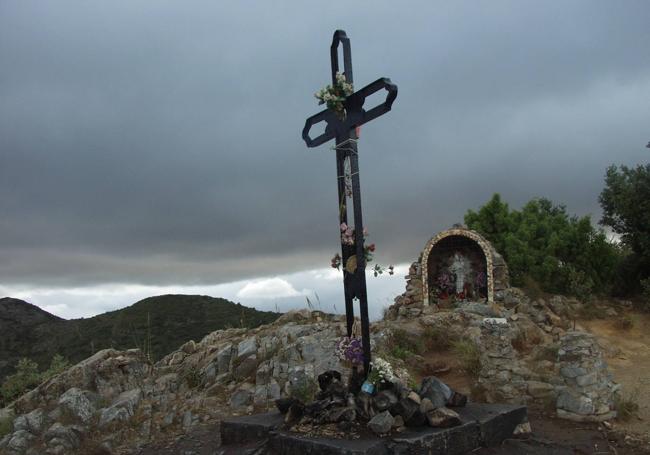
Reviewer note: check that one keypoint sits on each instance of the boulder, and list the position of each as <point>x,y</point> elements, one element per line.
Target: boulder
<point>34,422</point>
<point>63,438</point>
<point>381,423</point>
<point>443,418</point>
<point>436,391</point>
<point>77,402</point>
<point>122,409</point>
<point>241,398</point>
<point>19,441</point>
<point>384,400</point>
<point>246,347</point>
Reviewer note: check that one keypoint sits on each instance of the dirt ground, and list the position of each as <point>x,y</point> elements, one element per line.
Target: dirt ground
<point>627,352</point>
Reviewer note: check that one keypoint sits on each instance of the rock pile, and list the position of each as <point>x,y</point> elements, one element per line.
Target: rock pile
<point>410,303</point>
<point>588,391</point>
<point>392,408</point>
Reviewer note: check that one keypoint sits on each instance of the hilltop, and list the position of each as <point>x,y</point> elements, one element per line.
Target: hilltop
<point>157,325</point>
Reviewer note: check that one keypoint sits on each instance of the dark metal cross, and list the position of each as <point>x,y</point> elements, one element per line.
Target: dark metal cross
<point>344,130</point>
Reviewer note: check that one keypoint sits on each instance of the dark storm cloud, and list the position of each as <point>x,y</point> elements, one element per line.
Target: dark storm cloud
<point>160,142</point>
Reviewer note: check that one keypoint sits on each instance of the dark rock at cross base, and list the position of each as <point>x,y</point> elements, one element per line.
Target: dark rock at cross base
<point>384,400</point>
<point>364,407</point>
<point>326,378</point>
<point>443,418</point>
<point>336,415</point>
<point>335,390</point>
<point>295,412</point>
<point>317,407</point>
<point>283,404</point>
<point>381,423</point>
<point>418,419</point>
<point>406,408</point>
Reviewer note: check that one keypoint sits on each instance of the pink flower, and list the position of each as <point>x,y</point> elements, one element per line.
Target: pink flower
<point>349,232</point>
<point>365,231</point>
<point>343,227</point>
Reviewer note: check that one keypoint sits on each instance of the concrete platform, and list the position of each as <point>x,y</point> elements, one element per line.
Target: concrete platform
<point>483,425</point>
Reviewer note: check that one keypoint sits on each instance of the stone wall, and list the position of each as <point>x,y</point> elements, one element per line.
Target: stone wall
<point>588,391</point>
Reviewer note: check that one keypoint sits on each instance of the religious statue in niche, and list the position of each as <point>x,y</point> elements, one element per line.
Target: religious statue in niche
<point>460,276</point>
<point>460,267</point>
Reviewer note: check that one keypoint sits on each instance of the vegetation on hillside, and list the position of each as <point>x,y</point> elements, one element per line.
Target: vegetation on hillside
<point>27,377</point>
<point>543,243</point>
<point>626,210</point>
<point>157,325</point>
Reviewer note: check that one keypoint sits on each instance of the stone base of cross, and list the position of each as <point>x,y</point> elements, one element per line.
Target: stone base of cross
<point>344,129</point>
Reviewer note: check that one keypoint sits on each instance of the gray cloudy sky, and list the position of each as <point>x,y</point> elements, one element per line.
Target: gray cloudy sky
<point>157,144</point>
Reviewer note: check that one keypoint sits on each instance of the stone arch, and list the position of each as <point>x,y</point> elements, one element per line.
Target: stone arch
<point>492,258</point>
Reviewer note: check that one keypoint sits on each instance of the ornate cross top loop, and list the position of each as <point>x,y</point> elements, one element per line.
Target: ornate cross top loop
<point>342,127</point>
<point>356,115</point>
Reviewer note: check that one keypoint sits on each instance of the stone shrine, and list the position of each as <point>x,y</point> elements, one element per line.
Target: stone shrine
<point>458,264</point>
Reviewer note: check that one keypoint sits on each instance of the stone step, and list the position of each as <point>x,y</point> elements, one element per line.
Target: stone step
<point>483,425</point>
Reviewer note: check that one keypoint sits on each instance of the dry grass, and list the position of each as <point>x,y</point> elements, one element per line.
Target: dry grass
<point>469,356</point>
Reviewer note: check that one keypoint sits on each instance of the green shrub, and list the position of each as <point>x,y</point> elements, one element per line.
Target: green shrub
<point>305,392</point>
<point>25,378</point>
<point>400,340</point>
<point>437,339</point>
<point>192,377</point>
<point>6,426</point>
<point>58,365</point>
<point>400,353</point>
<point>468,355</point>
<point>626,407</point>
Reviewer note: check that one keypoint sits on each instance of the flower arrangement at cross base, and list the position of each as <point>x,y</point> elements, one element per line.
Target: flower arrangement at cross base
<point>350,350</point>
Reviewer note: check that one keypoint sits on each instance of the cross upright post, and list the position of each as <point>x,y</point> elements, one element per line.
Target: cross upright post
<point>344,130</point>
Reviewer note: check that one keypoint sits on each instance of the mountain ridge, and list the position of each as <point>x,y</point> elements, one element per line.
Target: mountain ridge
<point>157,325</point>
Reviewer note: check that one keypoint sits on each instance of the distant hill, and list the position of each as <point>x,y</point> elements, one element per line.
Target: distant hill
<point>163,322</point>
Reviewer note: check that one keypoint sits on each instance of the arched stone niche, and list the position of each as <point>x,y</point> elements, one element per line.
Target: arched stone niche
<point>473,248</point>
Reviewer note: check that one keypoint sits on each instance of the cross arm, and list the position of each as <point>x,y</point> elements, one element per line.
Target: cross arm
<point>327,116</point>
<point>354,104</point>
<point>356,114</point>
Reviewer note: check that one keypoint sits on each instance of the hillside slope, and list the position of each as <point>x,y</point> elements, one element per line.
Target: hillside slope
<point>163,322</point>
<point>19,323</point>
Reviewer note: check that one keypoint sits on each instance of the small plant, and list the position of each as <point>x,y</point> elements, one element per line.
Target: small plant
<point>626,407</point>
<point>468,355</point>
<point>192,377</point>
<point>58,365</point>
<point>304,392</point>
<point>25,378</point>
<point>402,340</point>
<point>437,339</point>
<point>6,426</point>
<point>400,353</point>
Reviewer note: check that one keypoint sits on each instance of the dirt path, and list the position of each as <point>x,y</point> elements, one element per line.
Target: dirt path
<point>627,352</point>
